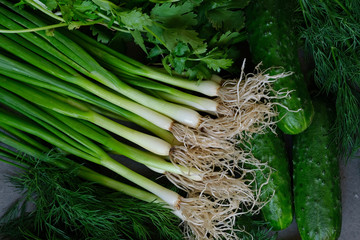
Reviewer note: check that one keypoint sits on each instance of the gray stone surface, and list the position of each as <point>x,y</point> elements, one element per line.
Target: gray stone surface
<point>7,193</point>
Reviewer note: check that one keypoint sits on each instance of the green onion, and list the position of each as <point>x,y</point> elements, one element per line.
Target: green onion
<point>171,94</point>
<point>27,74</point>
<point>42,98</point>
<point>154,117</point>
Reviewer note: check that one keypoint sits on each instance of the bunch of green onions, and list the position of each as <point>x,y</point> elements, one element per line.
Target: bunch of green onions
<point>66,89</point>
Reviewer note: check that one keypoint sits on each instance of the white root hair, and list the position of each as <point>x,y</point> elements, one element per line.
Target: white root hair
<point>207,218</point>
<point>217,148</point>
<point>207,160</point>
<point>246,105</point>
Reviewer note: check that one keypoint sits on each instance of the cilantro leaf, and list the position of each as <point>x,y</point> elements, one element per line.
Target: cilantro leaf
<point>228,20</point>
<point>106,5</point>
<point>138,39</point>
<point>227,38</point>
<point>235,4</point>
<point>51,4</point>
<point>217,64</point>
<point>156,51</point>
<point>85,6</point>
<point>199,71</point>
<point>180,49</point>
<point>174,35</point>
<point>135,19</point>
<point>101,35</point>
<point>179,64</point>
<point>174,16</point>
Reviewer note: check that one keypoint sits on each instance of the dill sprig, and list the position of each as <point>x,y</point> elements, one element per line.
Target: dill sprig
<point>70,208</point>
<point>253,227</point>
<point>332,34</point>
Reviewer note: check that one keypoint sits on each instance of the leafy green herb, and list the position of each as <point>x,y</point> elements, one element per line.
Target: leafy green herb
<point>253,227</point>
<point>332,35</point>
<point>178,31</point>
<point>70,208</point>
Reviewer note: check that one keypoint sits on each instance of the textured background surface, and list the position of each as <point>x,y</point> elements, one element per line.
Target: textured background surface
<point>350,180</point>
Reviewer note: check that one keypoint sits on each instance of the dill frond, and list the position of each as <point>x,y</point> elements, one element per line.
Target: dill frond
<point>70,208</point>
<point>332,35</point>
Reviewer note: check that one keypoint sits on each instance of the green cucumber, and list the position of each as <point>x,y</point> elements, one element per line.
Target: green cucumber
<point>317,194</point>
<point>270,148</point>
<point>273,42</point>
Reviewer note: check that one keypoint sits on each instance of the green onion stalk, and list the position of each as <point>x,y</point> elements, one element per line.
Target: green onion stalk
<point>27,74</point>
<point>202,216</point>
<point>25,147</point>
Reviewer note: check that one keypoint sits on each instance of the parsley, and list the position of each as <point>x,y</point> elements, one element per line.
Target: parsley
<point>174,33</point>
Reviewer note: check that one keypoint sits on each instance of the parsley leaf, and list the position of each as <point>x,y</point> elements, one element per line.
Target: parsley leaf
<point>135,19</point>
<point>191,37</point>
<point>174,35</point>
<point>51,4</point>
<point>180,49</point>
<point>217,64</point>
<point>175,16</point>
<point>227,19</point>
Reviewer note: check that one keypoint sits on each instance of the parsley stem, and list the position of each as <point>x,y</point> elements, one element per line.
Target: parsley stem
<point>109,20</point>
<point>156,36</point>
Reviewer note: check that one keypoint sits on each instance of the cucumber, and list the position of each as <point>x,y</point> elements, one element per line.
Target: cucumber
<point>270,148</point>
<point>273,42</point>
<point>317,194</point>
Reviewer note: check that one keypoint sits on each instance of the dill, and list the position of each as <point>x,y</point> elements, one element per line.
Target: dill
<point>70,208</point>
<point>332,35</point>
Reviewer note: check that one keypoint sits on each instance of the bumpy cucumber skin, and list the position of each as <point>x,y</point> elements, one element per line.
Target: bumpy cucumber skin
<point>317,193</point>
<point>270,148</point>
<point>272,41</point>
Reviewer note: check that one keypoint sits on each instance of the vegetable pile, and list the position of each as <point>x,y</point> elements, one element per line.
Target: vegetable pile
<point>78,109</point>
